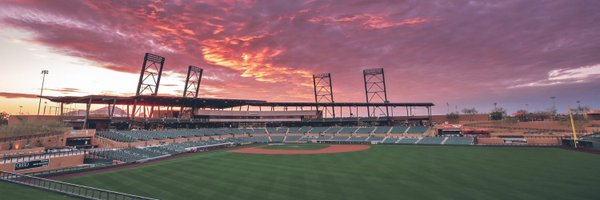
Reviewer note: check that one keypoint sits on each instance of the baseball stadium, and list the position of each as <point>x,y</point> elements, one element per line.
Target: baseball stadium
<point>150,146</point>
<point>306,100</point>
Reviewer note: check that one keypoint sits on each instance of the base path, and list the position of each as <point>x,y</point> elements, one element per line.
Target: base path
<point>331,149</point>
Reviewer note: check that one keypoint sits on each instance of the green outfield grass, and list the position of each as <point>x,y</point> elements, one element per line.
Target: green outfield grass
<point>14,191</point>
<point>382,172</point>
<point>296,146</point>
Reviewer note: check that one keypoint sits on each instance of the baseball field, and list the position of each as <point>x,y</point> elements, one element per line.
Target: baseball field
<point>12,191</point>
<point>379,172</point>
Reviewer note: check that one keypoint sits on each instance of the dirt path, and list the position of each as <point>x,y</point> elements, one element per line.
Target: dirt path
<point>331,149</point>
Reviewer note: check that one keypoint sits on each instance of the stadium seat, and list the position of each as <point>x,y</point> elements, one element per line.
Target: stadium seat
<point>365,130</point>
<point>398,129</point>
<point>390,140</point>
<point>417,129</point>
<point>431,140</point>
<point>407,141</point>
<point>459,141</point>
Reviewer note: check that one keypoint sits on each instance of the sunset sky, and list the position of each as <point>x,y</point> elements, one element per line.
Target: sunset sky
<point>466,53</point>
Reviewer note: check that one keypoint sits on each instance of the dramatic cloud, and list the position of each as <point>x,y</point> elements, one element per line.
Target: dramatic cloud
<point>567,76</point>
<point>462,52</point>
<point>64,90</point>
<point>11,95</point>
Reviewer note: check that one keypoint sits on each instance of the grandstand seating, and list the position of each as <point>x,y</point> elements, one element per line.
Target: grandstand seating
<point>129,154</point>
<point>431,140</point>
<point>318,130</point>
<point>280,130</point>
<point>357,139</point>
<point>164,149</point>
<point>301,130</point>
<point>259,131</point>
<point>407,141</point>
<point>339,138</point>
<point>375,138</point>
<point>390,140</point>
<point>365,130</point>
<point>382,129</point>
<point>259,139</point>
<point>307,138</point>
<point>259,135</point>
<point>459,141</point>
<point>292,138</point>
<point>347,130</point>
<point>417,129</point>
<point>116,136</point>
<point>277,138</point>
<point>324,138</point>
<point>332,130</point>
<point>398,129</point>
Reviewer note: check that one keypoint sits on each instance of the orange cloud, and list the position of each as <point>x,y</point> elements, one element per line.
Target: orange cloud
<point>380,23</point>
<point>121,69</point>
<point>369,21</point>
<point>234,53</point>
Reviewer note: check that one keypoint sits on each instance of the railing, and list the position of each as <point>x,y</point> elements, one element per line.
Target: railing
<point>59,171</point>
<point>40,156</point>
<point>70,189</point>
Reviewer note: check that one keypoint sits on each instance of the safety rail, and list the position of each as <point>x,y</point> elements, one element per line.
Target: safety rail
<point>70,189</point>
<point>23,158</point>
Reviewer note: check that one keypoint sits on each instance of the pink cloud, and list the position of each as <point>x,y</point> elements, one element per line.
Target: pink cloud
<point>455,51</point>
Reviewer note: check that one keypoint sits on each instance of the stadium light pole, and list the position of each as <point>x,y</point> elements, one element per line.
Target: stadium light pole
<point>44,72</point>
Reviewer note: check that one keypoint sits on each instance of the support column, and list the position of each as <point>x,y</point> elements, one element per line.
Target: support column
<point>407,115</point>
<point>87,113</point>
<point>61,111</point>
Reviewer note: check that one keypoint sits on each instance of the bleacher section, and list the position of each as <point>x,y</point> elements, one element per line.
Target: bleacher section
<point>318,130</point>
<point>332,130</point>
<point>398,129</point>
<point>357,139</point>
<point>339,138</point>
<point>259,139</point>
<point>390,140</point>
<point>324,138</point>
<point>365,130</point>
<point>299,130</point>
<point>116,136</point>
<point>375,138</point>
<point>277,139</point>
<point>407,141</point>
<point>137,154</point>
<point>382,130</point>
<point>292,138</point>
<point>142,135</point>
<point>417,129</point>
<point>269,135</point>
<point>347,130</point>
<point>431,140</point>
<point>281,130</point>
<point>459,141</point>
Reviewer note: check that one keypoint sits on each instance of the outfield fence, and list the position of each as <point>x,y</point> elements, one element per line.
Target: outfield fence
<point>70,189</point>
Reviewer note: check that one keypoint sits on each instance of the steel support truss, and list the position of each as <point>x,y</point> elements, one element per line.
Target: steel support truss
<point>324,92</point>
<point>375,91</point>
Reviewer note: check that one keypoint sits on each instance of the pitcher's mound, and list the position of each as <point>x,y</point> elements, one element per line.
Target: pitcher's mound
<point>331,149</point>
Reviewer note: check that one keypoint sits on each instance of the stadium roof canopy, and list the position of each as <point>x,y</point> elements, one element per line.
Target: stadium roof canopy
<point>176,101</point>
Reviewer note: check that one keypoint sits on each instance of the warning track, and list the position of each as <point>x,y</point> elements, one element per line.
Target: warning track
<point>331,149</point>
